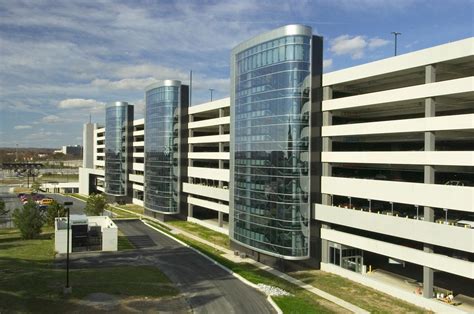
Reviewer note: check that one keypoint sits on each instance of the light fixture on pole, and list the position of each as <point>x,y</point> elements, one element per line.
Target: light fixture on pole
<point>396,34</point>
<point>67,289</point>
<point>211,90</point>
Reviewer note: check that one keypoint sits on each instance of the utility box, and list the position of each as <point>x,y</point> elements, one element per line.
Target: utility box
<point>93,233</point>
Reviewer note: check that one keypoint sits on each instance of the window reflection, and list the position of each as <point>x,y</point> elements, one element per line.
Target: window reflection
<point>161,149</point>
<point>116,123</point>
<point>271,146</point>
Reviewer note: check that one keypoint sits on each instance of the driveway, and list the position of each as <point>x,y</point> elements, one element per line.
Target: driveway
<point>206,287</point>
<point>76,209</point>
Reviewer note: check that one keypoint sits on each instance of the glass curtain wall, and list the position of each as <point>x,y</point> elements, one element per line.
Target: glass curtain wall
<point>271,148</point>
<point>162,148</point>
<point>116,148</point>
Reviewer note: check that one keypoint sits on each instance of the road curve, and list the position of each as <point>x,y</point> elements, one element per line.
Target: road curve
<point>206,287</point>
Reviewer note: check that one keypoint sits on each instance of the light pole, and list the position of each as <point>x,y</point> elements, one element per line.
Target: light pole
<point>396,35</point>
<point>211,90</point>
<point>67,289</point>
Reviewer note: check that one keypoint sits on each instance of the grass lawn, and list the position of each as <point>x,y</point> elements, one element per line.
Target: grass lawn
<point>59,177</point>
<point>133,208</point>
<point>79,196</point>
<point>19,189</point>
<point>362,296</point>
<point>202,232</point>
<point>119,213</point>
<point>29,282</point>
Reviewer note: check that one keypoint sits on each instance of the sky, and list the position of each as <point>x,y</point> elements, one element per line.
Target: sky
<point>61,61</point>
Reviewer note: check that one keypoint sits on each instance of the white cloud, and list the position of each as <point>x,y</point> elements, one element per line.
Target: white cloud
<point>124,84</point>
<point>51,119</point>
<point>371,5</point>
<point>139,107</point>
<point>22,127</point>
<point>346,44</point>
<point>355,46</point>
<point>80,103</point>
<point>377,42</point>
<point>327,64</point>
<point>146,70</point>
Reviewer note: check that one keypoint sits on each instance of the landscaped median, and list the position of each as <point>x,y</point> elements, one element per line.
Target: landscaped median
<point>299,300</point>
<point>359,295</point>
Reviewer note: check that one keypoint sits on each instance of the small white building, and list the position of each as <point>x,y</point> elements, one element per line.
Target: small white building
<point>87,233</point>
<point>60,187</point>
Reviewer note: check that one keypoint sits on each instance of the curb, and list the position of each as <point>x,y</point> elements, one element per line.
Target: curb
<point>275,306</point>
<point>242,279</point>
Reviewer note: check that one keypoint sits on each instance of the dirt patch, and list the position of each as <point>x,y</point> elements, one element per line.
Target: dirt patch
<point>162,305</point>
<point>103,302</point>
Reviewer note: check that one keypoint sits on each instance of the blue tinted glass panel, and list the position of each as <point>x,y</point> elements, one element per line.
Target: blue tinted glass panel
<point>271,205</point>
<point>161,149</point>
<point>116,123</point>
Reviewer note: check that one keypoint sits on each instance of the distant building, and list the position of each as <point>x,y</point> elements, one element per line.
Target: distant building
<point>74,150</point>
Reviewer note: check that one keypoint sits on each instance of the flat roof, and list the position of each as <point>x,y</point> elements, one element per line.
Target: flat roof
<point>453,50</point>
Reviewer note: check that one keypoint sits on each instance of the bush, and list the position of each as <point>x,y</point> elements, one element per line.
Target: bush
<point>96,204</point>
<point>54,210</point>
<point>28,220</point>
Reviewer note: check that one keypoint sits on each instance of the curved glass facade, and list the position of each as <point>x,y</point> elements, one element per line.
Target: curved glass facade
<point>271,145</point>
<point>162,148</point>
<point>116,148</point>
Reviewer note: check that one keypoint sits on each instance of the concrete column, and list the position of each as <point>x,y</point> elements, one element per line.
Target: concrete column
<point>220,218</point>
<point>327,143</point>
<point>326,171</point>
<point>429,178</point>
<point>190,146</point>
<point>190,210</point>
<point>325,246</point>
<point>221,162</point>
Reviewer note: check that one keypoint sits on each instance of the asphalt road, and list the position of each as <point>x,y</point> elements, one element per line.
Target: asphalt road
<point>206,287</point>
<point>77,205</point>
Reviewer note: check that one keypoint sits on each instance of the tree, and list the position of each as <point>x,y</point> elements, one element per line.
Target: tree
<point>36,186</point>
<point>3,211</point>
<point>54,210</point>
<point>29,220</point>
<point>96,204</point>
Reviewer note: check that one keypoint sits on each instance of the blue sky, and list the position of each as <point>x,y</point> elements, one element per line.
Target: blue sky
<point>63,60</point>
